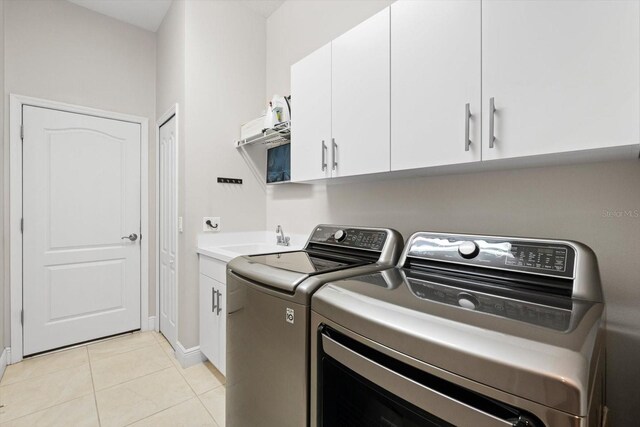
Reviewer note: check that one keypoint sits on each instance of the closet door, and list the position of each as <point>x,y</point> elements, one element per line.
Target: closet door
<point>435,83</point>
<point>311,116</point>
<point>360,98</point>
<point>562,76</point>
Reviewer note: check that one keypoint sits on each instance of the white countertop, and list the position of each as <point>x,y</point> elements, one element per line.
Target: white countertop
<point>226,246</point>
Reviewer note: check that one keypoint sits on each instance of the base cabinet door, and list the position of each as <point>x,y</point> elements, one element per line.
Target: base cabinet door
<point>559,76</point>
<point>435,83</point>
<point>221,312</point>
<point>212,321</point>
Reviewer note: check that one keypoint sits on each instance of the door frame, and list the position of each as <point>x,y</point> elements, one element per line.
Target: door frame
<point>16,102</point>
<point>172,111</point>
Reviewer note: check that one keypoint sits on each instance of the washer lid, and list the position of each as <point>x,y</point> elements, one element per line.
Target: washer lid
<point>304,262</point>
<point>285,271</point>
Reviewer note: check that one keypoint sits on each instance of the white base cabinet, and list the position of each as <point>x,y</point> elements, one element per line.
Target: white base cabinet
<point>213,311</point>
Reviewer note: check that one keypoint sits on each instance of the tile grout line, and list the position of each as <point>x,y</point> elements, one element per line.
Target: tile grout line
<point>197,396</point>
<point>94,393</point>
<point>46,408</point>
<point>85,346</point>
<point>125,352</point>
<point>207,409</point>
<point>43,374</point>
<point>93,385</point>
<point>143,376</point>
<point>54,405</point>
<point>171,407</point>
<point>134,379</point>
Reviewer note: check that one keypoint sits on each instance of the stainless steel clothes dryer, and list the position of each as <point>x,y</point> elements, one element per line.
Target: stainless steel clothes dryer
<point>467,331</point>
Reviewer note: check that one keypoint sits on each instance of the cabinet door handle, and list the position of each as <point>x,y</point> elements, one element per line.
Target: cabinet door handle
<point>213,299</point>
<point>334,151</point>
<point>324,156</point>
<point>219,308</point>
<point>467,117</point>
<point>492,119</point>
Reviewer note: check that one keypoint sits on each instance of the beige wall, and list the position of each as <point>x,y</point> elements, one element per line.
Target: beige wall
<point>170,90</point>
<point>4,291</point>
<point>211,58</point>
<point>62,52</point>
<point>225,80</point>
<point>568,202</point>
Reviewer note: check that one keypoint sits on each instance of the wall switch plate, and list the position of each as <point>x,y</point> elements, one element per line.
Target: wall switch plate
<point>180,225</point>
<point>211,223</point>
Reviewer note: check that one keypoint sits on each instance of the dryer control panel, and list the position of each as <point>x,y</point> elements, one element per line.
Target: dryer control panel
<point>360,238</point>
<point>525,256</point>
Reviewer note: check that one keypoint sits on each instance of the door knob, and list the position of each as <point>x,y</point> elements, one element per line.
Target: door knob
<point>133,237</point>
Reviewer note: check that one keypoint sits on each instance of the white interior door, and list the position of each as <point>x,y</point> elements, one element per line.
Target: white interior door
<point>81,198</point>
<point>168,230</point>
<point>435,75</point>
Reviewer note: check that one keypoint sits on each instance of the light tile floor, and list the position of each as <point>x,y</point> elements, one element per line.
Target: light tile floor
<point>132,379</point>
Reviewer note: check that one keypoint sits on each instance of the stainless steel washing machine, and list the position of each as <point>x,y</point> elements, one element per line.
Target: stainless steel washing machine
<point>467,331</point>
<point>268,298</point>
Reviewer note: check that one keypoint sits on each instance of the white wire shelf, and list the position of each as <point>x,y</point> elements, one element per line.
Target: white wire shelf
<point>278,135</point>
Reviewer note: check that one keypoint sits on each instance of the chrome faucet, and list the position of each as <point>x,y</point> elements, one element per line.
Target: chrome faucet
<point>281,239</point>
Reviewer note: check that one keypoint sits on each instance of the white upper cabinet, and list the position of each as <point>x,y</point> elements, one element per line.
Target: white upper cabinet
<point>564,76</point>
<point>435,75</point>
<point>311,116</point>
<point>360,98</point>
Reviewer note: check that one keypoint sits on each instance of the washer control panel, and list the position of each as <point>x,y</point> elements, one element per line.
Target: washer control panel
<point>361,238</point>
<point>538,257</point>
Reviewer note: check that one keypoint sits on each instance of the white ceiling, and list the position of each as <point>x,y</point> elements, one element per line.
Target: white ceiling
<point>263,7</point>
<point>148,14</point>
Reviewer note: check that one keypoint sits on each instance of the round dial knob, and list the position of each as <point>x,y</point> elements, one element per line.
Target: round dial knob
<point>467,301</point>
<point>340,235</point>
<point>468,249</point>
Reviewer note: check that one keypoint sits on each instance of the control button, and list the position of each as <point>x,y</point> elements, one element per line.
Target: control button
<point>340,235</point>
<point>466,300</point>
<point>468,249</point>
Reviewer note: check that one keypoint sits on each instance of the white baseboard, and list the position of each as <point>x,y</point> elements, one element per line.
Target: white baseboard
<point>151,326</point>
<point>5,357</point>
<point>188,356</point>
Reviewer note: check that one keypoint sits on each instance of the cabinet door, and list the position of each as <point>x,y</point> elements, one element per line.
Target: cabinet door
<point>209,321</point>
<point>311,116</point>
<point>360,98</point>
<point>435,75</point>
<point>222,328</point>
<point>563,75</point>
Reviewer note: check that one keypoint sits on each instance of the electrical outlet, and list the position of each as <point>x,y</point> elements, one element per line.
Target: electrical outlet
<point>211,223</point>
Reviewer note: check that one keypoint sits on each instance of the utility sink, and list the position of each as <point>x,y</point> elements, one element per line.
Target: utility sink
<point>226,246</point>
<point>257,248</point>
